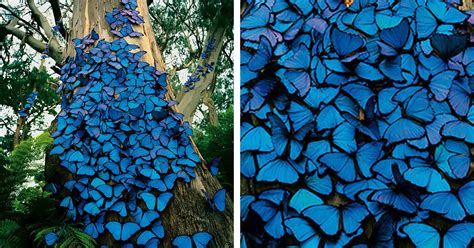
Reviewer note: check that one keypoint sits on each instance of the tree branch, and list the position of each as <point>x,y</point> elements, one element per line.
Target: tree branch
<point>24,21</point>
<point>42,21</point>
<point>54,52</point>
<point>58,16</point>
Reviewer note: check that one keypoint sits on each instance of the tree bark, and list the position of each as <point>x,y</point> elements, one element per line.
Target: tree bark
<point>188,212</point>
<point>467,5</point>
<point>190,100</point>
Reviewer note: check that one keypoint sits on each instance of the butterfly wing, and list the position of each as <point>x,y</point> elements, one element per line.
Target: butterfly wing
<point>396,200</point>
<point>115,228</point>
<point>445,204</point>
<point>51,238</point>
<point>182,241</point>
<point>403,129</point>
<point>345,44</point>
<point>163,200</point>
<point>447,46</point>
<point>301,229</point>
<point>280,134</point>
<point>426,23</point>
<point>303,199</point>
<point>278,170</point>
<point>341,164</point>
<point>466,195</point>
<point>219,200</point>
<point>367,156</point>
<point>428,178</point>
<point>459,235</point>
<point>440,84</point>
<point>257,139</point>
<point>397,36</point>
<point>352,217</point>
<point>327,218</point>
<point>422,235</point>
<point>202,239</point>
<point>320,184</point>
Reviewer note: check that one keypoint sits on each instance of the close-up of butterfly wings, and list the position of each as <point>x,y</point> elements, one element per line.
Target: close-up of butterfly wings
<point>356,123</point>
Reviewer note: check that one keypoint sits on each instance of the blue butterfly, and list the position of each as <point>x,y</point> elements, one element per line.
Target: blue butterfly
<point>450,205</point>
<point>51,238</point>
<point>452,157</point>
<point>281,170</point>
<point>282,138</point>
<point>121,231</point>
<point>153,202</point>
<point>94,228</point>
<point>423,235</point>
<point>144,218</point>
<point>447,46</point>
<point>259,134</point>
<point>150,238</point>
<point>345,166</point>
<point>270,208</point>
<point>297,78</point>
<point>197,240</point>
<point>403,197</point>
<point>320,184</point>
<point>303,231</point>
<point>214,166</point>
<point>218,201</point>
<point>304,199</point>
<point>345,44</point>
<point>394,39</point>
<point>330,219</point>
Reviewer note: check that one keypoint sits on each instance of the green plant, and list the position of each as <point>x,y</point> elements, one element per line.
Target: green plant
<point>70,235</point>
<point>23,162</point>
<point>9,234</point>
<point>218,141</point>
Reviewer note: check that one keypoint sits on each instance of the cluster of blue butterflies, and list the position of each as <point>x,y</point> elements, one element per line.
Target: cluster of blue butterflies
<point>121,20</point>
<point>122,143</point>
<point>211,44</point>
<point>361,118</point>
<point>30,101</point>
<point>201,71</point>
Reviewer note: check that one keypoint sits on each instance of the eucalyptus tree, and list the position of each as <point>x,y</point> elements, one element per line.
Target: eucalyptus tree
<point>108,51</point>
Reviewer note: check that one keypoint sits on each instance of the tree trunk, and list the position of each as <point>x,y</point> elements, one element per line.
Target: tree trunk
<point>188,212</point>
<point>467,5</point>
<point>19,127</point>
<point>189,101</point>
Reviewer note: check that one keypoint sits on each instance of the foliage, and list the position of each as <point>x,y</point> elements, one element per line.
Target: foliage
<point>70,235</point>
<point>18,79</point>
<point>218,141</point>
<point>24,161</point>
<point>9,234</point>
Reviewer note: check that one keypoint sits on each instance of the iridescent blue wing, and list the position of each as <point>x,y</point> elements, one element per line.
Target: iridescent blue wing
<point>219,200</point>
<point>445,204</point>
<point>182,241</point>
<point>326,217</point>
<point>345,44</point>
<point>422,235</point>
<point>202,239</point>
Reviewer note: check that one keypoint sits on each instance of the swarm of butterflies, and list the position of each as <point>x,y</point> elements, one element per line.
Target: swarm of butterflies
<point>357,123</point>
<point>30,101</point>
<point>201,71</point>
<point>123,145</point>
